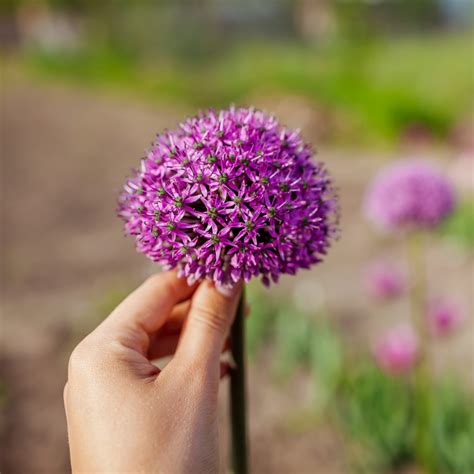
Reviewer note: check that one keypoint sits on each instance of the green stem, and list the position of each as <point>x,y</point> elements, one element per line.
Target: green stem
<point>237,393</point>
<point>422,396</point>
<point>416,262</point>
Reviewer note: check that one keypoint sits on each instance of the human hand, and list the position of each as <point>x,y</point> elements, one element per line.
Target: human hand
<point>125,414</point>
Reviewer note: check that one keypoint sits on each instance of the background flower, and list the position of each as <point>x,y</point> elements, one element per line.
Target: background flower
<point>409,194</point>
<point>384,280</point>
<point>397,350</point>
<point>230,195</point>
<point>444,316</point>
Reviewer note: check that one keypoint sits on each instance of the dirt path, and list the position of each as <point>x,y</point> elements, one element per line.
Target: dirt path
<point>66,153</point>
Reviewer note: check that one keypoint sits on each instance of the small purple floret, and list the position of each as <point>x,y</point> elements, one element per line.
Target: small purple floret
<point>409,195</point>
<point>230,195</point>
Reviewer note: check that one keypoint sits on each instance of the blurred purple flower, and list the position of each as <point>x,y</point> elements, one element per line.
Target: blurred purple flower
<point>409,194</point>
<point>230,195</point>
<point>384,280</point>
<point>396,351</point>
<point>444,316</point>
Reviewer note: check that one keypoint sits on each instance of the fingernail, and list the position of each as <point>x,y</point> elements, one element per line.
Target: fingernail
<point>229,291</point>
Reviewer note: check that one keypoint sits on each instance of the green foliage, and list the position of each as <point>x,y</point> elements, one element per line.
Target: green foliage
<point>99,66</point>
<point>453,430</point>
<point>397,422</point>
<point>259,326</point>
<point>376,411</point>
<point>299,342</point>
<point>361,18</point>
<point>460,226</point>
<point>373,90</point>
<point>293,340</point>
<point>391,421</point>
<point>326,363</point>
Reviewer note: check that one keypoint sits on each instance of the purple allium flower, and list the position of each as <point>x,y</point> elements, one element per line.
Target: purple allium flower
<point>230,195</point>
<point>409,194</point>
<point>443,316</point>
<point>396,351</point>
<point>384,280</point>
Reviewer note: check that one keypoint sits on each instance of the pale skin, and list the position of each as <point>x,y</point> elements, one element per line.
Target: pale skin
<point>126,415</point>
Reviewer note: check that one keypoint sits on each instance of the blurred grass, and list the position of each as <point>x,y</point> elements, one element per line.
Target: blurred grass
<point>298,341</point>
<point>377,88</point>
<point>259,330</point>
<point>453,430</point>
<point>378,413</point>
<point>460,225</point>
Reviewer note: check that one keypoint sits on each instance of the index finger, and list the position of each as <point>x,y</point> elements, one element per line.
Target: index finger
<point>146,309</point>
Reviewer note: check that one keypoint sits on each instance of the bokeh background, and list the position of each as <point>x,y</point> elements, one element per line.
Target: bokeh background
<point>85,86</point>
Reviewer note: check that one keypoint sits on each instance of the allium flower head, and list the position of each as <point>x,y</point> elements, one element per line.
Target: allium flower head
<point>230,195</point>
<point>397,350</point>
<point>444,316</point>
<point>409,194</point>
<point>384,280</point>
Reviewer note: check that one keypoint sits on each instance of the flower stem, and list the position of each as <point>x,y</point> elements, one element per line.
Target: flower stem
<point>416,260</point>
<point>423,409</point>
<point>237,393</point>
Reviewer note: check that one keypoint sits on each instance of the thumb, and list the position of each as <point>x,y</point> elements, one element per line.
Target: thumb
<point>210,317</point>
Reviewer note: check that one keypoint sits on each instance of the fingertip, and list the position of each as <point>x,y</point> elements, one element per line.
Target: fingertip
<point>212,311</point>
<point>229,292</point>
